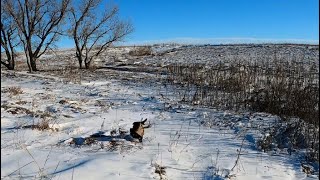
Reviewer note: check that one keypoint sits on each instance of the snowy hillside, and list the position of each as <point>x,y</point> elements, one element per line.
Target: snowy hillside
<point>74,124</point>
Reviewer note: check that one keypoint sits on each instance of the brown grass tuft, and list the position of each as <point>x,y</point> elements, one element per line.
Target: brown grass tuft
<point>13,91</point>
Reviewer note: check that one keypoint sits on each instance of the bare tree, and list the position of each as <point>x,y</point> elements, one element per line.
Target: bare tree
<point>9,39</point>
<point>38,23</point>
<point>93,33</point>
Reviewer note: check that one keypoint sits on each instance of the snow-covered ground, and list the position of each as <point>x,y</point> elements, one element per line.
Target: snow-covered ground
<point>86,115</point>
<point>176,140</point>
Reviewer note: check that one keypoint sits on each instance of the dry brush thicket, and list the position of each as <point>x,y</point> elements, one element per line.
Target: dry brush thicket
<point>284,85</point>
<point>141,51</point>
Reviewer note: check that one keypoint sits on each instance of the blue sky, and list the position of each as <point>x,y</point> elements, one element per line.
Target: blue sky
<point>221,19</point>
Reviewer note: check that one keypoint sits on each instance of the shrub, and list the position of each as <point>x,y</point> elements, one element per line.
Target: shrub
<point>141,51</point>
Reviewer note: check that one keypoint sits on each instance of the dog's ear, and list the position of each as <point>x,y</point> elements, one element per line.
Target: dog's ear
<point>144,121</point>
<point>136,123</point>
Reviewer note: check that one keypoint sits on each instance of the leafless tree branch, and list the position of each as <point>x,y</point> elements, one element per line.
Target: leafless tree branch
<point>39,23</point>
<point>92,33</point>
<point>8,38</point>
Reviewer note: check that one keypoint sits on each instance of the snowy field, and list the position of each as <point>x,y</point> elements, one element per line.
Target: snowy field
<point>87,137</point>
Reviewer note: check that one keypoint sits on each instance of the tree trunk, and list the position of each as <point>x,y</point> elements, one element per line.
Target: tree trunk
<point>11,64</point>
<point>29,66</point>
<point>79,57</point>
<point>28,59</point>
<point>87,61</point>
<point>10,59</point>
<point>8,66</point>
<point>80,62</point>
<point>33,64</point>
<point>87,64</point>
<point>32,59</point>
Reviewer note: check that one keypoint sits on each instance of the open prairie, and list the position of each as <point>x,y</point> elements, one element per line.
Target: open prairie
<point>243,111</point>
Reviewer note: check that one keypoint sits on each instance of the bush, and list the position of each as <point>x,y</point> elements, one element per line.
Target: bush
<point>141,51</point>
<point>275,89</point>
<point>290,91</point>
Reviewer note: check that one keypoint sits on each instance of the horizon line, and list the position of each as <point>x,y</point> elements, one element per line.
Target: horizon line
<point>217,41</point>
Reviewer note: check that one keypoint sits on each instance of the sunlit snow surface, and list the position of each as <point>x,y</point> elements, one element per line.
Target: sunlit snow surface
<point>179,138</point>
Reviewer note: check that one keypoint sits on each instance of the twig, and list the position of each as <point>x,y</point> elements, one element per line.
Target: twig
<point>55,169</point>
<point>40,170</point>
<point>72,173</point>
<point>47,158</point>
<point>19,169</point>
<point>238,156</point>
<point>183,150</point>
<point>199,160</point>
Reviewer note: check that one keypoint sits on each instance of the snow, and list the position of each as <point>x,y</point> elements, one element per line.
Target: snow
<point>189,142</point>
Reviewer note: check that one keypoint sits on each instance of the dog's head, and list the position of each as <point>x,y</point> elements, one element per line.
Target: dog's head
<point>138,128</point>
<point>138,124</point>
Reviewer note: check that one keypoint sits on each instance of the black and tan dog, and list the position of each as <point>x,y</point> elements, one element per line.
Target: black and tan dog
<point>137,131</point>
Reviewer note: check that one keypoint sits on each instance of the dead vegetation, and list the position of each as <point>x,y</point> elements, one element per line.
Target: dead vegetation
<point>283,87</point>
<point>82,141</point>
<point>42,125</point>
<point>291,136</point>
<point>22,110</point>
<point>287,90</point>
<point>45,117</point>
<point>16,109</point>
<point>141,51</point>
<point>13,91</point>
<point>21,102</point>
<point>160,170</point>
<point>71,74</point>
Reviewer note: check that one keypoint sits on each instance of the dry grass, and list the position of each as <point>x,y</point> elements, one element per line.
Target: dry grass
<point>83,141</point>
<point>13,91</point>
<point>161,170</point>
<point>141,51</point>
<point>45,117</point>
<point>42,125</point>
<point>290,90</point>
<point>287,89</point>
<point>72,74</point>
<point>21,102</point>
<point>114,145</point>
<point>17,110</point>
<point>89,141</point>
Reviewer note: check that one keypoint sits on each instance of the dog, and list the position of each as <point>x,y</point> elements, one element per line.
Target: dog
<point>137,131</point>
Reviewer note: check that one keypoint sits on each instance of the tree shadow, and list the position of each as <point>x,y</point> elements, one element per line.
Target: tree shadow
<point>71,167</point>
